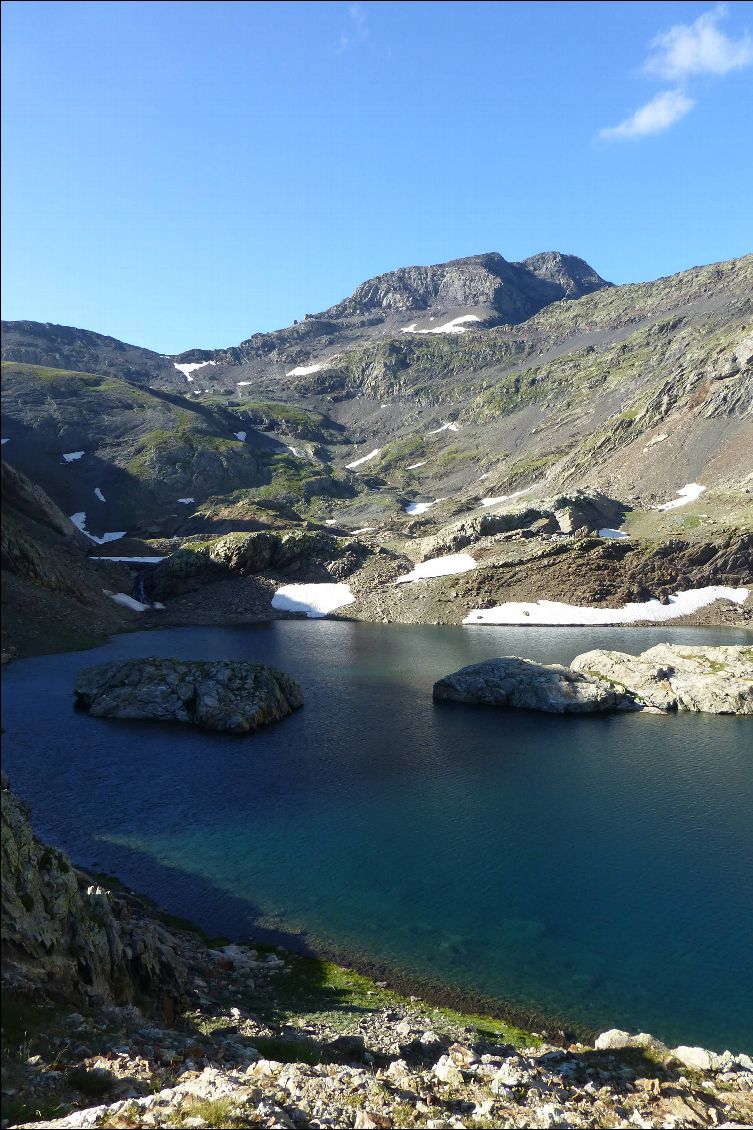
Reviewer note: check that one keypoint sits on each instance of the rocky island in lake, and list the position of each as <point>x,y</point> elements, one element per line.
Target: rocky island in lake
<point>713,680</point>
<point>230,696</point>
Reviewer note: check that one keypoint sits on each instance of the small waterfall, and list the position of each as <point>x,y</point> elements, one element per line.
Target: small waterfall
<point>138,592</point>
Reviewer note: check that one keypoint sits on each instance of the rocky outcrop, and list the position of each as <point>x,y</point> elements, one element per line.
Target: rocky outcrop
<point>587,510</point>
<point>512,291</point>
<point>230,696</point>
<point>510,681</point>
<point>66,938</point>
<point>244,554</point>
<point>710,680</point>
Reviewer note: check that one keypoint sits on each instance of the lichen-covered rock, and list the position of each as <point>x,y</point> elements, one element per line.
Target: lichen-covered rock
<point>510,681</point>
<point>229,695</point>
<point>712,680</point>
<point>67,938</point>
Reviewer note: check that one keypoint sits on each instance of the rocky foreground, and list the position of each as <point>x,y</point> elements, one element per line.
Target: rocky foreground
<point>227,695</point>
<point>668,677</point>
<point>116,1016</point>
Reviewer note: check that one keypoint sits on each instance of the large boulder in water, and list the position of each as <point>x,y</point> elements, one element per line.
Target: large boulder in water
<point>229,695</point>
<point>711,680</point>
<point>714,680</point>
<point>510,681</point>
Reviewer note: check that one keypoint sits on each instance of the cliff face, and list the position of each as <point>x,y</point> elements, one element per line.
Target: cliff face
<point>68,939</point>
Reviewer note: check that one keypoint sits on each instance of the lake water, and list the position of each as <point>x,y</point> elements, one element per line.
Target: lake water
<point>597,869</point>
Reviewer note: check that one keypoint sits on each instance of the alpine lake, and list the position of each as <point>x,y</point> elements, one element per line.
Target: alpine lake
<point>597,870</point>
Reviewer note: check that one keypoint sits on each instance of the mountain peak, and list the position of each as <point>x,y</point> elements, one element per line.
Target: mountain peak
<point>499,289</point>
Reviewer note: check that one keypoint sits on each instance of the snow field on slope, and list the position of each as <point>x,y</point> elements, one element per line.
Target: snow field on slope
<point>316,600</point>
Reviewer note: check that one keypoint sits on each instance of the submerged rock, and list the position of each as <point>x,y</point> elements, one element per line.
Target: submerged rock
<point>510,681</point>
<point>229,695</point>
<point>711,680</point>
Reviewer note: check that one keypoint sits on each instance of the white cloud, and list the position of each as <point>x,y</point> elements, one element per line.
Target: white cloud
<point>664,109</point>
<point>678,54</point>
<point>357,30</point>
<point>699,48</point>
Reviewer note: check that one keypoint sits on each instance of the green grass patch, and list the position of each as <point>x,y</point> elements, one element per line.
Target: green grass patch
<point>289,1051</point>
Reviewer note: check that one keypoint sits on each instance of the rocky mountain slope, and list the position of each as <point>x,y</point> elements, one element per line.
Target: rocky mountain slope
<point>53,595</point>
<point>116,1016</point>
<point>433,399</point>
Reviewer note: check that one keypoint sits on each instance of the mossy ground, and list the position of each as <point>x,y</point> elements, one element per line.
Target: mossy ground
<point>713,514</point>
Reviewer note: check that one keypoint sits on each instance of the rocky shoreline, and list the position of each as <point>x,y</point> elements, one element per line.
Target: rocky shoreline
<point>118,1016</point>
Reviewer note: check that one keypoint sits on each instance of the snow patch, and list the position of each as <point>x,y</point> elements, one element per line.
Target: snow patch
<point>414,466</point>
<point>186,501</point>
<point>186,370</point>
<point>72,456</point>
<point>444,428</point>
<point>420,507</point>
<point>552,612</point>
<point>364,530</point>
<point>454,327</point>
<point>303,370</point>
<point>240,383</point>
<point>316,600</point>
<point>240,435</point>
<point>440,567</point>
<point>297,452</point>
<point>126,601</point>
<point>364,459</point>
<point>689,493</point>
<point>504,497</point>
<point>79,520</point>
<point>6,440</point>
<point>135,560</point>
<point>99,494</point>
<point>615,534</point>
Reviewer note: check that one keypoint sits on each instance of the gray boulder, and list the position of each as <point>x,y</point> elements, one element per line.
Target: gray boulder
<point>509,681</point>
<point>711,680</point>
<point>231,696</point>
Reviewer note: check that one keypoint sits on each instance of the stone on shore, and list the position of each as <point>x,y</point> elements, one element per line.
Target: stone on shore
<point>510,681</point>
<point>227,695</point>
<point>711,680</point>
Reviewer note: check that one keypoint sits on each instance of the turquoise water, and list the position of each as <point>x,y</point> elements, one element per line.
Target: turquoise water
<point>596,869</point>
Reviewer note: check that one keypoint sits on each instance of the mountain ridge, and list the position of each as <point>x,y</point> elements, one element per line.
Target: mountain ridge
<point>407,422</point>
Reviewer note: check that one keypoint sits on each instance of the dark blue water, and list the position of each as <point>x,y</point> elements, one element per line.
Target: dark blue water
<point>598,869</point>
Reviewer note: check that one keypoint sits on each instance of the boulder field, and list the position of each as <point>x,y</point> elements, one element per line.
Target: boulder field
<point>232,696</point>
<point>668,677</point>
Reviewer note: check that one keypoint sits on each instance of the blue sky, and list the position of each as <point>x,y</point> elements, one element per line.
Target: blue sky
<point>187,174</point>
